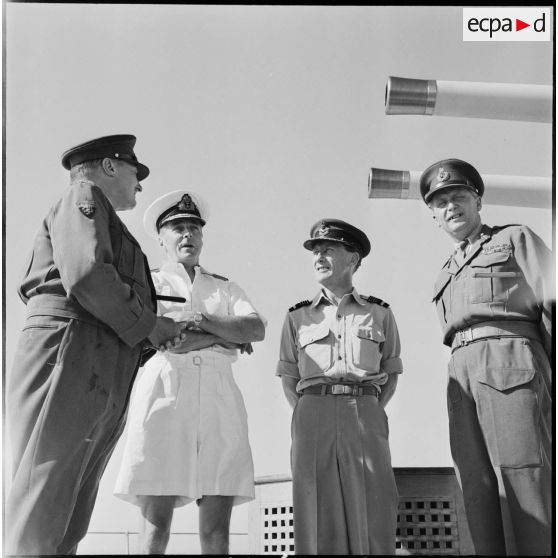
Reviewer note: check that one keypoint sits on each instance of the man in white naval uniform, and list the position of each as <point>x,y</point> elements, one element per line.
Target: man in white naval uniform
<point>187,431</point>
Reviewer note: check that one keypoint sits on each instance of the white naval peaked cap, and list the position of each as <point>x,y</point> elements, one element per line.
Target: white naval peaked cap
<point>179,204</point>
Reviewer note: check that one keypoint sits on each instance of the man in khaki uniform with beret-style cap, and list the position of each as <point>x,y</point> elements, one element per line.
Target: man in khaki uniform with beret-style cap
<point>91,317</point>
<point>339,363</point>
<point>495,302</point>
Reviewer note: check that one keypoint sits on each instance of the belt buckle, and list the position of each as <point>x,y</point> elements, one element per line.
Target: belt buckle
<point>465,336</point>
<point>197,360</point>
<point>343,389</point>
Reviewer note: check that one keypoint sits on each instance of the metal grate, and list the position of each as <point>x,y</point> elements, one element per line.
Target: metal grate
<point>278,534</point>
<point>427,526</point>
<point>424,526</point>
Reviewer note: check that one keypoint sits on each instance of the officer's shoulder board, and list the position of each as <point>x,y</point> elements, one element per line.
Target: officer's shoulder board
<point>300,305</point>
<point>375,300</point>
<point>499,228</point>
<point>215,275</point>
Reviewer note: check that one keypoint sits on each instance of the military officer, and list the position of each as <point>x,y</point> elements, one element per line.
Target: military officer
<point>91,314</point>
<point>187,431</point>
<point>494,299</point>
<point>339,364</point>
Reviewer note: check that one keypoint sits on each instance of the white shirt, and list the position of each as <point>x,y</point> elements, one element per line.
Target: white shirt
<point>209,293</point>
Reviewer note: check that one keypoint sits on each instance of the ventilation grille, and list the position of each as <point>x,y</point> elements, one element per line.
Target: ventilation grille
<point>427,526</point>
<point>424,526</point>
<point>277,532</point>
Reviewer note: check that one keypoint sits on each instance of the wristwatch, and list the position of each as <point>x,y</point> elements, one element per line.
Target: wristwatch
<point>198,317</point>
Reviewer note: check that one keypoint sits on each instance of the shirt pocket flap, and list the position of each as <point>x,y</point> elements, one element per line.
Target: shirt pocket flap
<point>487,260</point>
<point>313,334</point>
<point>503,379</point>
<point>372,333</point>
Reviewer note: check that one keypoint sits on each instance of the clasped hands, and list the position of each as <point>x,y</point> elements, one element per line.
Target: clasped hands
<point>169,335</point>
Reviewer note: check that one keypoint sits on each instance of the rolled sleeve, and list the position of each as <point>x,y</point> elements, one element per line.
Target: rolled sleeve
<point>240,304</point>
<point>288,351</point>
<point>391,362</point>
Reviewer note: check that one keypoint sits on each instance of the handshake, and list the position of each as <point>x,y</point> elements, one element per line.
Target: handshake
<point>184,336</point>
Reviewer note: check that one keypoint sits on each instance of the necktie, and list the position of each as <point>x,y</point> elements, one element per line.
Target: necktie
<point>461,251</point>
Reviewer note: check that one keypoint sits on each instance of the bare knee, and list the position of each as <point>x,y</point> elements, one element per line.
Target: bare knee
<point>156,512</point>
<point>215,515</point>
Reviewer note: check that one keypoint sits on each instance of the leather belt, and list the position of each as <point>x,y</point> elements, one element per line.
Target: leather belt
<point>341,389</point>
<point>503,328</point>
<point>57,305</point>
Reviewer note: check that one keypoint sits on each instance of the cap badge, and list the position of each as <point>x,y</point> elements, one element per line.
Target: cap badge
<point>323,230</point>
<point>443,174</point>
<point>87,208</point>
<point>186,203</point>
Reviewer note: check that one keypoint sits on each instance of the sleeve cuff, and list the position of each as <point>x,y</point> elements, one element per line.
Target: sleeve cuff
<point>285,368</point>
<point>141,328</point>
<point>392,365</point>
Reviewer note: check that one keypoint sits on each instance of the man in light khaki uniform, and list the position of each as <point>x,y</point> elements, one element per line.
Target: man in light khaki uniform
<point>494,298</point>
<point>339,364</point>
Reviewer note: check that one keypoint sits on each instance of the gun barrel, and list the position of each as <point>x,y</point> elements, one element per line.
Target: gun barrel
<point>499,101</point>
<point>519,191</point>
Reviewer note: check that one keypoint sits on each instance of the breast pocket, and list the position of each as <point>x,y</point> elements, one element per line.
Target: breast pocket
<point>315,349</point>
<point>493,277</point>
<point>368,342</point>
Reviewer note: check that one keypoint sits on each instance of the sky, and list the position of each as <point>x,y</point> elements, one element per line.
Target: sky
<point>274,114</point>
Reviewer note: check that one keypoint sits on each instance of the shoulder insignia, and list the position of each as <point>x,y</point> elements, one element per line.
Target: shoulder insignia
<point>497,228</point>
<point>500,227</point>
<point>215,275</point>
<point>300,305</point>
<point>218,276</point>
<point>375,300</point>
<point>155,270</point>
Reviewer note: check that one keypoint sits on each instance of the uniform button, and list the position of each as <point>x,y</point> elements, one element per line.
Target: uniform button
<point>339,316</point>
<point>340,358</point>
<point>339,337</point>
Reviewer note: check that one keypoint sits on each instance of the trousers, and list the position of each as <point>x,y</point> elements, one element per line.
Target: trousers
<point>66,400</point>
<point>500,424</point>
<point>344,494</point>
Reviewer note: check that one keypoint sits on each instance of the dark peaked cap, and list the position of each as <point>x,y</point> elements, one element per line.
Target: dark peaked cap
<point>336,230</point>
<point>450,173</point>
<point>120,147</point>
